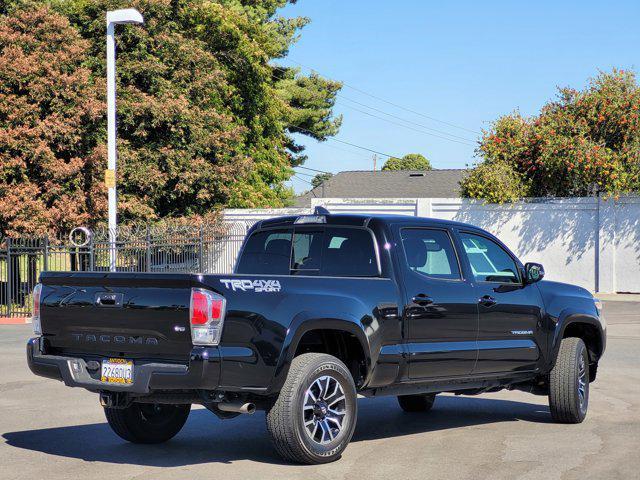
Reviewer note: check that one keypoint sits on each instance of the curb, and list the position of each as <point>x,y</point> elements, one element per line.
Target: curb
<point>14,320</point>
<point>618,297</point>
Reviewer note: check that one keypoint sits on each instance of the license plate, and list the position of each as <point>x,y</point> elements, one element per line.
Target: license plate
<point>117,370</point>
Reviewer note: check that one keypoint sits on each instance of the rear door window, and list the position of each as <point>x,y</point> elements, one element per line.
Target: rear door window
<point>266,252</point>
<point>431,253</point>
<point>349,252</point>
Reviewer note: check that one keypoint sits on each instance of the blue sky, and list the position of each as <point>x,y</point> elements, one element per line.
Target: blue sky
<point>461,62</point>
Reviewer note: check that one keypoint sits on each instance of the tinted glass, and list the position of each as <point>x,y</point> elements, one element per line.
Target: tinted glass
<point>338,252</point>
<point>266,252</point>
<point>307,253</point>
<point>349,252</point>
<point>489,262</point>
<point>431,253</point>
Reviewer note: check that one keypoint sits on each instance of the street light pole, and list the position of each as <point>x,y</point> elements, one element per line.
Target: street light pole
<point>114,17</point>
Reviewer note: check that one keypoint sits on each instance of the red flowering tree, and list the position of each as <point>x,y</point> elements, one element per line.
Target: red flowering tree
<point>583,142</point>
<point>50,164</point>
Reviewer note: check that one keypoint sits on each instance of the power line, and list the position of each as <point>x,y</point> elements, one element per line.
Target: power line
<point>410,128</point>
<point>391,103</point>
<point>302,173</point>
<point>464,141</point>
<point>343,141</point>
<point>330,138</point>
<point>303,180</point>
<point>335,147</point>
<point>283,69</point>
<point>402,119</point>
<point>313,169</point>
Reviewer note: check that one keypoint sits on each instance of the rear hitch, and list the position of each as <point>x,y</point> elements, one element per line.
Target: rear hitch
<point>114,400</point>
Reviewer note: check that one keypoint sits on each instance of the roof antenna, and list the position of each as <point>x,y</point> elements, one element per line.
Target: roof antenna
<point>321,211</point>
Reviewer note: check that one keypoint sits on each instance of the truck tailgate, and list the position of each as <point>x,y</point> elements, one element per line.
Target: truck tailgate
<point>117,314</point>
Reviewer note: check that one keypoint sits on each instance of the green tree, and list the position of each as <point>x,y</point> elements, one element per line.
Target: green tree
<point>411,161</point>
<point>204,115</point>
<point>310,101</point>
<point>51,159</point>
<point>584,141</point>
<point>320,178</point>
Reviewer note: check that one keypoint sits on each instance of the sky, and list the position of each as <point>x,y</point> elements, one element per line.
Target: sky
<point>433,69</point>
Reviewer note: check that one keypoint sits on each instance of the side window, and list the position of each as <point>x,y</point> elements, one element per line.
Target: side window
<point>307,253</point>
<point>349,252</point>
<point>489,262</point>
<point>266,252</point>
<point>431,253</point>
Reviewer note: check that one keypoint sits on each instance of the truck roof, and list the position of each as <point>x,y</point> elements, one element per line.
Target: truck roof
<point>359,220</point>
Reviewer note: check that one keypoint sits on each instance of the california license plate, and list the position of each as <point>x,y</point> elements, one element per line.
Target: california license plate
<point>117,370</point>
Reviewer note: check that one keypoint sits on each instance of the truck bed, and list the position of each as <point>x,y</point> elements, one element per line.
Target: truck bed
<point>144,317</point>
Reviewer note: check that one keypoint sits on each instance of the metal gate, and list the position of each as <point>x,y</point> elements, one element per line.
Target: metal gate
<point>21,261</point>
<point>185,249</point>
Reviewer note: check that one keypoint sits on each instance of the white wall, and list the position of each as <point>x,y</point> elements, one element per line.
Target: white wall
<point>590,242</point>
<point>559,234</point>
<point>626,245</point>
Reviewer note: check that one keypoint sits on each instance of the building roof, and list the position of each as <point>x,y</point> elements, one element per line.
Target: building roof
<point>388,184</point>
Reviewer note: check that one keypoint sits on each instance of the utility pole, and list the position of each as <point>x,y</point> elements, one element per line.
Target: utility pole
<point>114,17</point>
<point>375,161</point>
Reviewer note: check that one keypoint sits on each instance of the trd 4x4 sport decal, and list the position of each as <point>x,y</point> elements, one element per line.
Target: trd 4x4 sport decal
<point>258,286</point>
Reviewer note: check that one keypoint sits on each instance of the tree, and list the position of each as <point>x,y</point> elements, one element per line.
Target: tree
<point>204,115</point>
<point>50,156</point>
<point>310,102</point>
<point>205,119</point>
<point>320,178</point>
<point>411,161</point>
<point>583,142</point>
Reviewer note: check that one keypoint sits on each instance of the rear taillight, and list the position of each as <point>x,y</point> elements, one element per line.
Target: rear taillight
<point>206,316</point>
<point>35,319</point>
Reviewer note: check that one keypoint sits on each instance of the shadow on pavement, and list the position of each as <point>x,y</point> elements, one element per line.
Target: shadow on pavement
<point>206,439</point>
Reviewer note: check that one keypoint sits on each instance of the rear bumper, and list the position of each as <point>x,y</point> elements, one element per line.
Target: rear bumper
<point>202,372</point>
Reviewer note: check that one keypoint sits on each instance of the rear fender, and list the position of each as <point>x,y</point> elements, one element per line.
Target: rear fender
<point>305,322</point>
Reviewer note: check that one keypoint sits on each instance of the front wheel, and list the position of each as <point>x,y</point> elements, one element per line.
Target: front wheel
<point>147,423</point>
<point>314,416</point>
<point>569,382</point>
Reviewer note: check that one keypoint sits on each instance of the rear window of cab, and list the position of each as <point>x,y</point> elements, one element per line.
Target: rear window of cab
<point>324,251</point>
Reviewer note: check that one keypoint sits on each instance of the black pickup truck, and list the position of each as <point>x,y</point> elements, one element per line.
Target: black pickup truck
<point>320,308</point>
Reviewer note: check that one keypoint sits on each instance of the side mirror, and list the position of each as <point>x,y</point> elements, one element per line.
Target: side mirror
<point>533,272</point>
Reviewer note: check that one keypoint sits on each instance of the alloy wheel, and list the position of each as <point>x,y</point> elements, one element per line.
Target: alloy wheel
<point>324,410</point>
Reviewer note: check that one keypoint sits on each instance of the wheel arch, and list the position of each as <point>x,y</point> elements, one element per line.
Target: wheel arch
<point>585,327</point>
<point>306,327</point>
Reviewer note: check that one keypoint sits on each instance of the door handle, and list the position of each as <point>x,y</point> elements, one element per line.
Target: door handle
<point>487,301</point>
<point>422,300</point>
<point>388,310</point>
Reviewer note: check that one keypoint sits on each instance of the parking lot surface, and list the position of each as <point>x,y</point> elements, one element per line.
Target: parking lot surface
<point>49,431</point>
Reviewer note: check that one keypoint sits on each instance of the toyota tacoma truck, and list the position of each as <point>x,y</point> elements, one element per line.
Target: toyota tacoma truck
<point>320,308</point>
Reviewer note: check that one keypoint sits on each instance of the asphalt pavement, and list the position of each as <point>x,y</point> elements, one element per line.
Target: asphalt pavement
<point>49,431</point>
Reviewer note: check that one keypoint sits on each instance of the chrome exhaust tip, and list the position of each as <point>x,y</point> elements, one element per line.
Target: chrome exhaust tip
<point>237,407</point>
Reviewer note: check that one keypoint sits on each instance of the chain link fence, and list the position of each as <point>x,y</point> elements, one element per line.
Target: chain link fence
<point>184,249</point>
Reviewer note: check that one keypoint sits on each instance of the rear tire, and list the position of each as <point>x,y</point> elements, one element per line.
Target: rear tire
<point>417,403</point>
<point>569,382</point>
<point>314,416</point>
<point>147,423</point>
